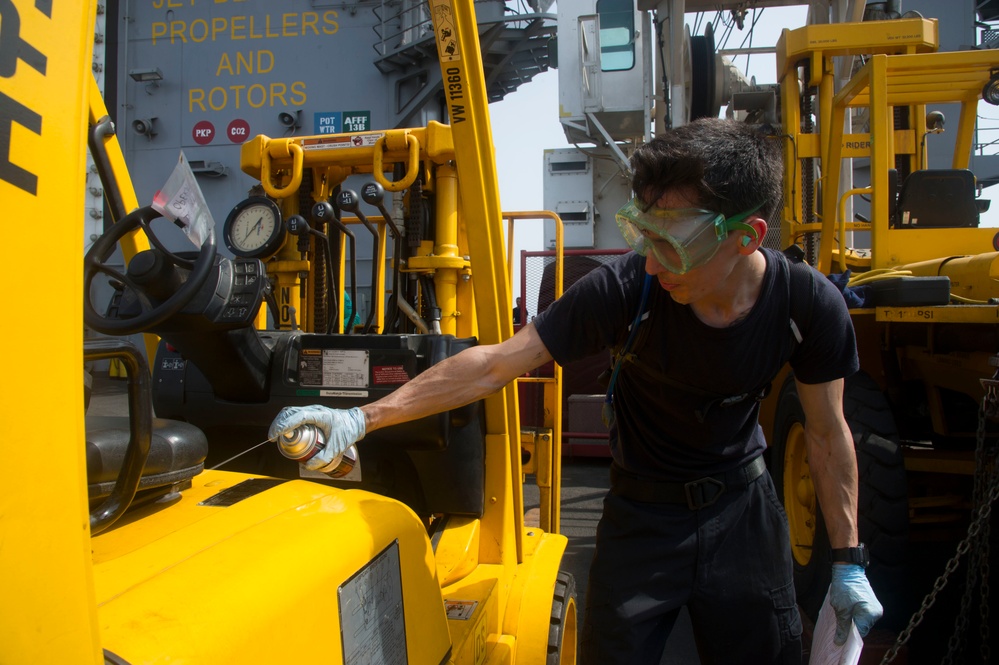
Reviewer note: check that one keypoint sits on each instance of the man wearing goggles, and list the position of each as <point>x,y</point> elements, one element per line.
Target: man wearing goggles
<point>692,517</point>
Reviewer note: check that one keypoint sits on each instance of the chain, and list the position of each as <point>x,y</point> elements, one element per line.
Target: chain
<point>984,627</point>
<point>955,646</point>
<point>987,489</point>
<point>984,466</point>
<point>988,462</point>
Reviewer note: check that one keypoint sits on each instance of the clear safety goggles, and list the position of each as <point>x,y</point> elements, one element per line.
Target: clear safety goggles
<point>680,239</point>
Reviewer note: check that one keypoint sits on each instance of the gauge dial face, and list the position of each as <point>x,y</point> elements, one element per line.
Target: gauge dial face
<point>254,228</point>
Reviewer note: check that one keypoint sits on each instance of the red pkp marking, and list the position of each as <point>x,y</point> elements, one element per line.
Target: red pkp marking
<point>203,132</point>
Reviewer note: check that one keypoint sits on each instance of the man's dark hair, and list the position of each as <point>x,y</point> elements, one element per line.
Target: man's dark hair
<point>732,166</point>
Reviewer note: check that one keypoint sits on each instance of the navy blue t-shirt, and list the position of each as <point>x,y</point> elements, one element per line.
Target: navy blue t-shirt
<point>670,422</point>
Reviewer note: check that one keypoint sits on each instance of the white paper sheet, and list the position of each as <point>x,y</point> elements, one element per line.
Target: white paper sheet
<point>824,649</point>
<point>181,200</point>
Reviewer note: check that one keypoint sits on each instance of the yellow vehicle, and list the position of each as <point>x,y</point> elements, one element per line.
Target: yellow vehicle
<point>118,541</point>
<point>923,277</point>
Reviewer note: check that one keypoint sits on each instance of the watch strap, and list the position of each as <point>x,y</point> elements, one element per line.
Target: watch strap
<point>858,555</point>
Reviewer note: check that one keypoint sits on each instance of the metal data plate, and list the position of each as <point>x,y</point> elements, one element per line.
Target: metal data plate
<point>372,624</point>
<point>342,368</point>
<point>940,314</point>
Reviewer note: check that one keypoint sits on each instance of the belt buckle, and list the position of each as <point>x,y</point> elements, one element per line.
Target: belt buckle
<point>694,491</point>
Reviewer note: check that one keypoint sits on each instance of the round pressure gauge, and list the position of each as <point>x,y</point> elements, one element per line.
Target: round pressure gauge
<point>253,229</point>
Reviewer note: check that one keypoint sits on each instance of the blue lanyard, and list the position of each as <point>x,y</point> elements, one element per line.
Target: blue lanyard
<point>607,412</point>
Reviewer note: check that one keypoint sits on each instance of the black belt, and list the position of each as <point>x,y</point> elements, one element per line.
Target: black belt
<point>695,494</point>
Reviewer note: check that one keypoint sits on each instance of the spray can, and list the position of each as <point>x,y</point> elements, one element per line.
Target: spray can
<point>305,442</point>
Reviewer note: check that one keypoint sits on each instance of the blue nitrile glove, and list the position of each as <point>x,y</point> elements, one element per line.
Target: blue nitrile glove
<point>851,597</point>
<point>341,428</point>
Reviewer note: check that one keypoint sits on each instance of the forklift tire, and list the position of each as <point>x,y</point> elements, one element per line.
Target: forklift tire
<point>562,626</point>
<point>883,517</point>
<point>883,497</point>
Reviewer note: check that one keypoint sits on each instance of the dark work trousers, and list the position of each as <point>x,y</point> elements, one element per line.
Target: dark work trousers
<point>729,563</point>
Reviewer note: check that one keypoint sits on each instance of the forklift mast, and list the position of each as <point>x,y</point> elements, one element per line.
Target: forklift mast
<point>44,88</point>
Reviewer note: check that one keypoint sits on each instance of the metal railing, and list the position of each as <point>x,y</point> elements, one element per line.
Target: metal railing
<point>403,23</point>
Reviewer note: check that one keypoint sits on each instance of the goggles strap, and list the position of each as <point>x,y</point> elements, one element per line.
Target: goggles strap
<point>742,226</point>
<point>736,223</point>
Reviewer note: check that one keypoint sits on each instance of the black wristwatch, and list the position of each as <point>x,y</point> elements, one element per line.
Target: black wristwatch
<point>858,555</point>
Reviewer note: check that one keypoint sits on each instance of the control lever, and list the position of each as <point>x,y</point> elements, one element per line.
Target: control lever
<point>324,213</point>
<point>374,194</point>
<point>299,227</point>
<point>347,200</point>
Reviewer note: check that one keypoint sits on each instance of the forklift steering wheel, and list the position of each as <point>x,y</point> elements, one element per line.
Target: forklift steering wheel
<point>153,312</point>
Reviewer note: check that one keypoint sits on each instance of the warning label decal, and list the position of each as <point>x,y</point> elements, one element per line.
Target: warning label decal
<point>447,40</point>
<point>341,141</point>
<point>388,374</point>
<point>335,368</point>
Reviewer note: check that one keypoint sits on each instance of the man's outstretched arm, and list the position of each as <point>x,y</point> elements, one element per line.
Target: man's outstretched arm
<point>464,378</point>
<point>456,381</point>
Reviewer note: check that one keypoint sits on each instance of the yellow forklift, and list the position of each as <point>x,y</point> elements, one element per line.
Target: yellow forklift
<point>134,548</point>
<point>920,275</point>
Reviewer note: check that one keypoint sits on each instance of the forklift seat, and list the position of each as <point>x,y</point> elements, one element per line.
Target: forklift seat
<point>177,453</point>
<point>938,198</point>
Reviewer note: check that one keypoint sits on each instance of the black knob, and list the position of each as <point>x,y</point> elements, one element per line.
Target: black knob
<point>297,225</point>
<point>373,193</point>
<point>322,211</point>
<point>347,200</point>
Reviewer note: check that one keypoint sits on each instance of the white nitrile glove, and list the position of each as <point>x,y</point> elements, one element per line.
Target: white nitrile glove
<point>341,428</point>
<point>852,598</point>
